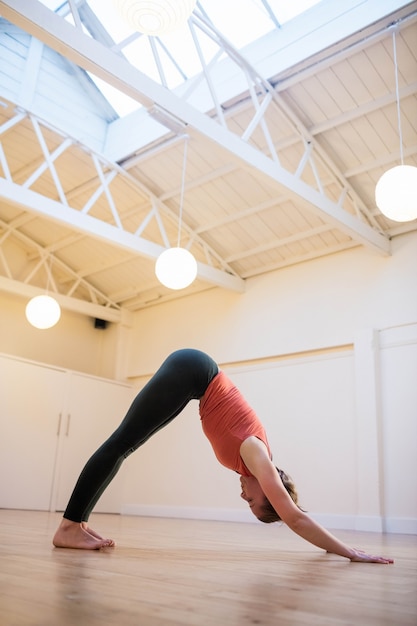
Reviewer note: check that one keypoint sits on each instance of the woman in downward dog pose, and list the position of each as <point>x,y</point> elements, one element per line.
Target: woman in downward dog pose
<point>238,439</point>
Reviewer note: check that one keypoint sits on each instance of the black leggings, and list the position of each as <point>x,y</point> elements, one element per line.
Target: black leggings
<point>184,376</point>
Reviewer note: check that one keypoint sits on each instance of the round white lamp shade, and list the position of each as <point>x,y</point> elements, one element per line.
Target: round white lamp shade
<point>155,17</point>
<point>396,193</point>
<point>176,268</point>
<point>43,312</point>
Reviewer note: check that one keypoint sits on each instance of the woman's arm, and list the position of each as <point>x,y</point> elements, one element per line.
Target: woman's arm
<point>256,459</point>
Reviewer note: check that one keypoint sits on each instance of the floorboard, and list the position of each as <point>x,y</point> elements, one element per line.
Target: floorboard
<point>170,572</point>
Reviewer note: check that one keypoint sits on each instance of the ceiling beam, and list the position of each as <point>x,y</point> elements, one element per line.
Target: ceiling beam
<point>363,109</point>
<point>92,56</point>
<point>36,203</point>
<point>326,35</point>
<point>66,302</point>
<point>385,161</point>
<point>301,258</point>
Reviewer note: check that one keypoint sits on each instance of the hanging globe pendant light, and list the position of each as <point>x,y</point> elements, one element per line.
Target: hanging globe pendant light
<point>43,312</point>
<point>155,17</point>
<point>176,268</point>
<point>396,190</point>
<point>396,193</point>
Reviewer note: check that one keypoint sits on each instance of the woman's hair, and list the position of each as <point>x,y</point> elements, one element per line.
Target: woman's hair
<point>268,514</point>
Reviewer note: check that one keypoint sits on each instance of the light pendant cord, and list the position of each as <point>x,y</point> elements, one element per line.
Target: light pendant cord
<point>49,276</point>
<point>397,92</point>
<point>48,267</point>
<point>184,163</point>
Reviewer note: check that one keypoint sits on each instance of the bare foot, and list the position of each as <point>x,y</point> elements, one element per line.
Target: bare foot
<point>93,533</point>
<point>73,535</point>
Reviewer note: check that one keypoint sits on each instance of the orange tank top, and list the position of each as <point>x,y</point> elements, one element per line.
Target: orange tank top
<point>227,420</point>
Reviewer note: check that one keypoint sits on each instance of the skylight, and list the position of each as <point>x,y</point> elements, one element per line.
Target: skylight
<point>173,58</point>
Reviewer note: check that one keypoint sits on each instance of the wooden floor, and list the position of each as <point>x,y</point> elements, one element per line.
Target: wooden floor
<point>183,572</point>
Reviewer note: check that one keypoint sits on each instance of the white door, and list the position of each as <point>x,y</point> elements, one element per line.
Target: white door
<point>95,409</point>
<point>31,402</point>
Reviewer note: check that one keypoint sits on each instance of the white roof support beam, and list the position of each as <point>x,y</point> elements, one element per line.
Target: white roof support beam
<point>66,302</point>
<point>316,31</point>
<point>89,54</point>
<point>216,271</point>
<point>36,203</point>
<point>30,78</point>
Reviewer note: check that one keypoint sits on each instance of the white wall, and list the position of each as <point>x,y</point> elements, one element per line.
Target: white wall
<point>325,351</point>
<point>308,306</point>
<point>73,343</point>
<point>302,344</point>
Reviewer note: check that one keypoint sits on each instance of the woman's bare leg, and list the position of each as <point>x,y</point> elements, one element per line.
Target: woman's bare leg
<point>183,376</point>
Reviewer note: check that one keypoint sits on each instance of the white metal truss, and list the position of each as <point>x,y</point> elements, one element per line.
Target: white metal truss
<point>215,271</point>
<point>96,303</point>
<point>212,123</point>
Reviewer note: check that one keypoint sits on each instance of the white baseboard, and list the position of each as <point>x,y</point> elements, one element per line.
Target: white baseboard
<point>336,522</point>
<point>217,515</point>
<point>401,525</point>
